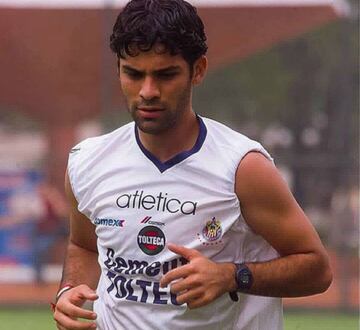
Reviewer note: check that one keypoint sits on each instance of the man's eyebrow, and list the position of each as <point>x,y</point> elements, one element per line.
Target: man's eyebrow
<point>169,68</point>
<point>129,68</point>
<point>166,69</point>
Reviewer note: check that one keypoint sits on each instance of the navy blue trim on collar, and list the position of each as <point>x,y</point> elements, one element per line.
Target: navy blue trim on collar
<point>163,166</point>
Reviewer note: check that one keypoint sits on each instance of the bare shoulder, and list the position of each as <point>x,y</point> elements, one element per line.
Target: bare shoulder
<point>82,231</point>
<point>257,177</point>
<point>270,209</point>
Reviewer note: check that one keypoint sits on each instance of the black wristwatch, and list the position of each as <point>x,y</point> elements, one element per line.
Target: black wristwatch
<point>243,277</point>
<point>244,280</point>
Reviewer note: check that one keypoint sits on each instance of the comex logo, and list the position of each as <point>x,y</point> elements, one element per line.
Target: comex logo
<point>109,222</point>
<point>151,222</point>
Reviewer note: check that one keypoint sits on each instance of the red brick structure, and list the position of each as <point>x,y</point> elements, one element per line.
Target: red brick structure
<point>54,62</point>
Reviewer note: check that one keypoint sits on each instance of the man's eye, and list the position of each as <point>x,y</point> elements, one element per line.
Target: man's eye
<point>167,75</point>
<point>134,75</point>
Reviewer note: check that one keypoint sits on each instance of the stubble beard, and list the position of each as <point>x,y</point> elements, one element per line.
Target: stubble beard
<point>168,118</point>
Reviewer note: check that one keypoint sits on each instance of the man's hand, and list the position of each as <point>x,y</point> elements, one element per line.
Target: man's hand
<point>69,308</point>
<point>199,282</point>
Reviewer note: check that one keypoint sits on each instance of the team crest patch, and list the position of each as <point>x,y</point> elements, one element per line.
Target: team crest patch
<point>151,240</point>
<point>211,233</point>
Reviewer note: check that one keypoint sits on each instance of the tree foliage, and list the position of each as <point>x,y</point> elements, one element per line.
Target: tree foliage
<point>307,86</point>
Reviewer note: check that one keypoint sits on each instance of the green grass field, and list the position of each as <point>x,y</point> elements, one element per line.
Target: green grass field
<point>42,320</point>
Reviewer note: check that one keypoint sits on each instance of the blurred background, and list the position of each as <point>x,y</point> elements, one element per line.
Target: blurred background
<point>284,72</point>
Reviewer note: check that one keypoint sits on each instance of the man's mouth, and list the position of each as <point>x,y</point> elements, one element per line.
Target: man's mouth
<point>149,112</point>
<point>143,108</point>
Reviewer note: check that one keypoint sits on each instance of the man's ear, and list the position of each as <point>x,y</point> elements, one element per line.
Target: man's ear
<point>200,69</point>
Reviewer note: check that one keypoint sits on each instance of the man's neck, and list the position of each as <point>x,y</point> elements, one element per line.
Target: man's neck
<point>179,138</point>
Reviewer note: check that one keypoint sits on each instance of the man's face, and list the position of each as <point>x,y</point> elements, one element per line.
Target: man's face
<point>157,88</point>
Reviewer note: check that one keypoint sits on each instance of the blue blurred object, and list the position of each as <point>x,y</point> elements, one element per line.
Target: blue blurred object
<point>16,238</point>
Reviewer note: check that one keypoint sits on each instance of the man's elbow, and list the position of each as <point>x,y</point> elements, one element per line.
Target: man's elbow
<point>326,280</point>
<point>325,276</point>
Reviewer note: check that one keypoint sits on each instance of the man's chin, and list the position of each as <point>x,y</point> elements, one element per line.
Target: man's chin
<point>150,127</point>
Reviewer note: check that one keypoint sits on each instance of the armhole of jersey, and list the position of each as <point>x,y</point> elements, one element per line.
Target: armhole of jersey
<point>71,174</point>
<point>261,150</point>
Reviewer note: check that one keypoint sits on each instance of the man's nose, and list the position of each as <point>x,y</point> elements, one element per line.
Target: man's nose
<point>149,89</point>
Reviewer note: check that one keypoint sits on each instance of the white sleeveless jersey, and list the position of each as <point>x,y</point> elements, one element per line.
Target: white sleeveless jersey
<point>138,204</point>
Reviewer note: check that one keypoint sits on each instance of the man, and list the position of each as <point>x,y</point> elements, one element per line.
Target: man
<point>178,222</point>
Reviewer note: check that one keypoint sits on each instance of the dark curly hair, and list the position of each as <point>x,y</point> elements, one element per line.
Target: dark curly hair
<point>173,23</point>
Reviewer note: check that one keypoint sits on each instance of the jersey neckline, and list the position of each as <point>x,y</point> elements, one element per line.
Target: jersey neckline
<point>163,166</point>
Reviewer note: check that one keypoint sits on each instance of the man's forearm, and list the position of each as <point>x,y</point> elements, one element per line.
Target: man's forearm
<point>291,276</point>
<point>80,267</point>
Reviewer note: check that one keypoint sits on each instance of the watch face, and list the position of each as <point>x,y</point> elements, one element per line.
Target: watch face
<point>244,277</point>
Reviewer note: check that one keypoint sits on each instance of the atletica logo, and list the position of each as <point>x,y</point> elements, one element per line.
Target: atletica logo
<point>162,202</point>
<point>151,240</point>
<point>109,222</point>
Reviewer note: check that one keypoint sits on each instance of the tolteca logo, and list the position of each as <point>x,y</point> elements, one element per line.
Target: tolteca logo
<point>147,220</point>
<point>211,233</point>
<point>160,202</point>
<point>109,222</point>
<point>151,240</point>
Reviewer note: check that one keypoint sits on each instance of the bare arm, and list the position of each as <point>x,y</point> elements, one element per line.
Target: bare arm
<point>82,252</point>
<point>272,212</point>
<point>81,270</point>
